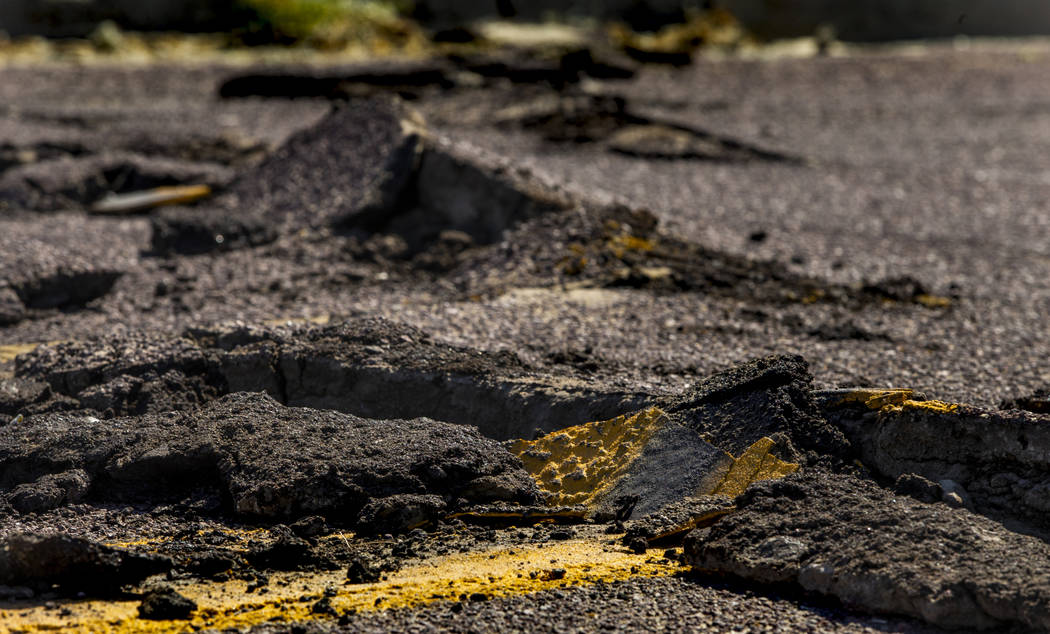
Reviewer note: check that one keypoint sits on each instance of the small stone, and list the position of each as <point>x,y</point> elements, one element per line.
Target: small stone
<point>360,571</point>
<point>918,487</point>
<point>311,526</point>
<point>323,606</point>
<point>955,495</point>
<point>166,604</point>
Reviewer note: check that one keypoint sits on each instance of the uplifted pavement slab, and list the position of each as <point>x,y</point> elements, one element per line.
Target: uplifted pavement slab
<point>371,368</point>
<point>763,397</point>
<point>642,461</point>
<point>639,464</point>
<point>994,460</point>
<point>393,176</point>
<point>267,460</point>
<point>879,552</point>
<point>373,147</point>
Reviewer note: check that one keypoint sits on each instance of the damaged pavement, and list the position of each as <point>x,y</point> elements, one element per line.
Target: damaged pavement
<point>416,362</point>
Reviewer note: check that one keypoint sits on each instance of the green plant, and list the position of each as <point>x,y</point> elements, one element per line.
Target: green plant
<point>324,22</point>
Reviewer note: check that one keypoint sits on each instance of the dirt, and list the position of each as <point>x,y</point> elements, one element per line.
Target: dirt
<point>426,303</point>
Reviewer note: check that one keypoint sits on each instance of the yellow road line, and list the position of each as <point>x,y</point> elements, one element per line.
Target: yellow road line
<point>10,351</point>
<point>290,597</point>
<point>897,399</point>
<point>754,465</point>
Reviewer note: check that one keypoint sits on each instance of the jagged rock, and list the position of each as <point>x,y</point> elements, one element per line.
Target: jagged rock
<point>298,461</point>
<point>840,536</point>
<point>76,565</point>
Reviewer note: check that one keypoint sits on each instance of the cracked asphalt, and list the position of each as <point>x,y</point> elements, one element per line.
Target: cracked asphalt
<point>882,214</point>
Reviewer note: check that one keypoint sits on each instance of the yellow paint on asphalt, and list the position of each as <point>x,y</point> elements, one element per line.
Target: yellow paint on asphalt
<point>934,407</point>
<point>242,535</point>
<point>290,597</point>
<point>10,351</point>
<point>754,465</point>
<point>897,400</point>
<point>877,398</point>
<point>577,464</point>
<point>933,301</point>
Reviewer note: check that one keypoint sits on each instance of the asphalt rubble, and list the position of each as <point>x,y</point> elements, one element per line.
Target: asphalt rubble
<point>881,500</point>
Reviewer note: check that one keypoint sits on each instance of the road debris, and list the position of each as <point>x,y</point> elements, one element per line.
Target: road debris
<point>131,202</point>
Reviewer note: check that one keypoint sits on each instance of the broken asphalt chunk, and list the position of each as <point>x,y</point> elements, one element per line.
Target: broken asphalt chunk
<point>166,604</point>
<point>74,564</point>
<point>391,175</point>
<point>299,462</point>
<point>767,397</point>
<point>362,367</point>
<point>840,536</point>
<point>351,167</point>
<point>645,454</point>
<point>647,458</point>
<point>994,459</point>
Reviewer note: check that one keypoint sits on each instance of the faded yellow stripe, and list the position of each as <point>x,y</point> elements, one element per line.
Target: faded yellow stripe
<point>755,464</point>
<point>10,351</point>
<point>576,465</point>
<point>243,535</point>
<point>897,399</point>
<point>495,573</point>
<point>876,398</point>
